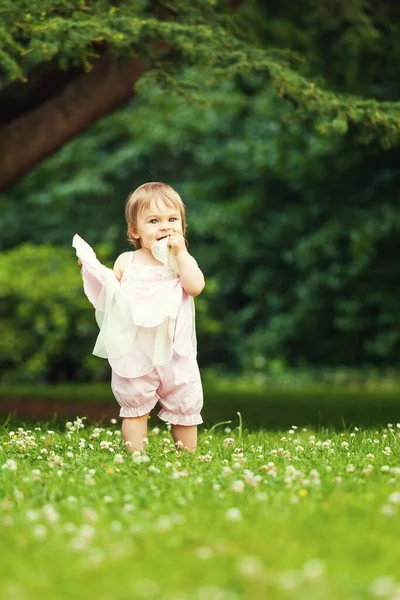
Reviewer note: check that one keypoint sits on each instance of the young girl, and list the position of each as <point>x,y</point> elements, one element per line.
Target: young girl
<point>145,311</point>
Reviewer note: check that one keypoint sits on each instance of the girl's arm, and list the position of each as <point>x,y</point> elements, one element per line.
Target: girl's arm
<point>192,279</point>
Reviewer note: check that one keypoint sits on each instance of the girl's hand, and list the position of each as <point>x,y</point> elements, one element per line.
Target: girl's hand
<point>176,242</point>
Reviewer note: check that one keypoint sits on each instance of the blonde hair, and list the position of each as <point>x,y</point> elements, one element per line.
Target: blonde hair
<point>142,198</point>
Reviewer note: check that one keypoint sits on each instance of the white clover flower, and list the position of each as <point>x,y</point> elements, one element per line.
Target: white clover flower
<point>178,474</point>
<point>290,580</point>
<point>50,513</point>
<point>229,441</point>
<point>383,586</point>
<point>385,468</point>
<point>72,500</point>
<point>313,569</point>
<point>370,456</point>
<point>228,430</point>
<point>118,459</point>
<point>238,486</point>
<point>36,473</point>
<point>216,487</point>
<point>261,496</point>
<point>206,458</point>
<point>138,457</point>
<point>90,515</point>
<point>154,469</point>
<point>31,515</point>
<point>198,481</point>
<point>164,523</point>
<point>204,552</point>
<point>395,498</point>
<point>345,444</point>
<point>116,526</point>
<point>113,421</point>
<point>40,531</point>
<point>108,499</point>
<point>250,566</point>
<point>226,471</point>
<point>10,465</point>
<point>388,510</point>
<point>104,445</point>
<point>128,507</point>
<point>78,544</point>
<point>387,451</point>
<point>233,514</point>
<point>350,468</point>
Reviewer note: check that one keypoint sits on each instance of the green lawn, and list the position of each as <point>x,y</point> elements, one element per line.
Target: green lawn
<point>296,514</point>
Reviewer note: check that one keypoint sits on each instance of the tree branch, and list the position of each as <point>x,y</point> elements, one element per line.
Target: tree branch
<point>39,133</point>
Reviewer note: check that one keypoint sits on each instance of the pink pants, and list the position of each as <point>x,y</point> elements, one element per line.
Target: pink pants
<point>177,386</point>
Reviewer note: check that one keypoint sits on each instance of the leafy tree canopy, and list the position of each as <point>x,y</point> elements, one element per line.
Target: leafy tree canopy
<point>312,53</point>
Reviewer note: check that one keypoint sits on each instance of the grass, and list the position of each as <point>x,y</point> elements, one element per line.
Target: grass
<point>316,406</point>
<point>286,514</point>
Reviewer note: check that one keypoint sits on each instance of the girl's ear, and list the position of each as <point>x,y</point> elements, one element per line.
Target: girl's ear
<point>134,233</point>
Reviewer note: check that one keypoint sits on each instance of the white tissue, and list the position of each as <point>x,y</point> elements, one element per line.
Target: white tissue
<point>164,254</point>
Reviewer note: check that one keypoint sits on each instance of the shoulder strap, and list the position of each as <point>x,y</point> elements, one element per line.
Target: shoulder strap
<point>131,257</point>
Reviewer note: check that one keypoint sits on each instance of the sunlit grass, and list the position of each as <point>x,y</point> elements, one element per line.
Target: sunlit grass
<point>290,514</point>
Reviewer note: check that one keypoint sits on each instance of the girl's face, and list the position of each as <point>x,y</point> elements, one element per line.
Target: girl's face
<point>156,222</point>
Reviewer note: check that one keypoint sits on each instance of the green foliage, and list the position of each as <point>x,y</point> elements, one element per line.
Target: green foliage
<point>47,324</point>
<point>168,36</point>
<point>295,225</point>
<point>297,233</point>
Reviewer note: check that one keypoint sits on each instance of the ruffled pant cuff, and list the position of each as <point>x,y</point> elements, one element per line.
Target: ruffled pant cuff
<point>175,419</point>
<point>139,411</point>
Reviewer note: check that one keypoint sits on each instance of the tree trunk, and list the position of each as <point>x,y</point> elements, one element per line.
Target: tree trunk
<point>27,140</point>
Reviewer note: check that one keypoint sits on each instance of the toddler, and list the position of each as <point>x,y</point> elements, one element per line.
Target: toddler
<point>145,312</point>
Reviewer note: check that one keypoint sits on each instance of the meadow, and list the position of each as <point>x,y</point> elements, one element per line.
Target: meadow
<point>297,513</point>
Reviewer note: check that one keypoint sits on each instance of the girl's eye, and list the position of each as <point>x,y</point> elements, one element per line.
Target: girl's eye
<point>173,219</point>
<point>153,221</point>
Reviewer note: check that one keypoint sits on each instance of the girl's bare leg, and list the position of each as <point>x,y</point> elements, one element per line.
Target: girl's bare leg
<point>187,434</point>
<point>134,430</point>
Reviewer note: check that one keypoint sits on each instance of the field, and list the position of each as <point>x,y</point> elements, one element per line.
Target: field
<point>299,513</point>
